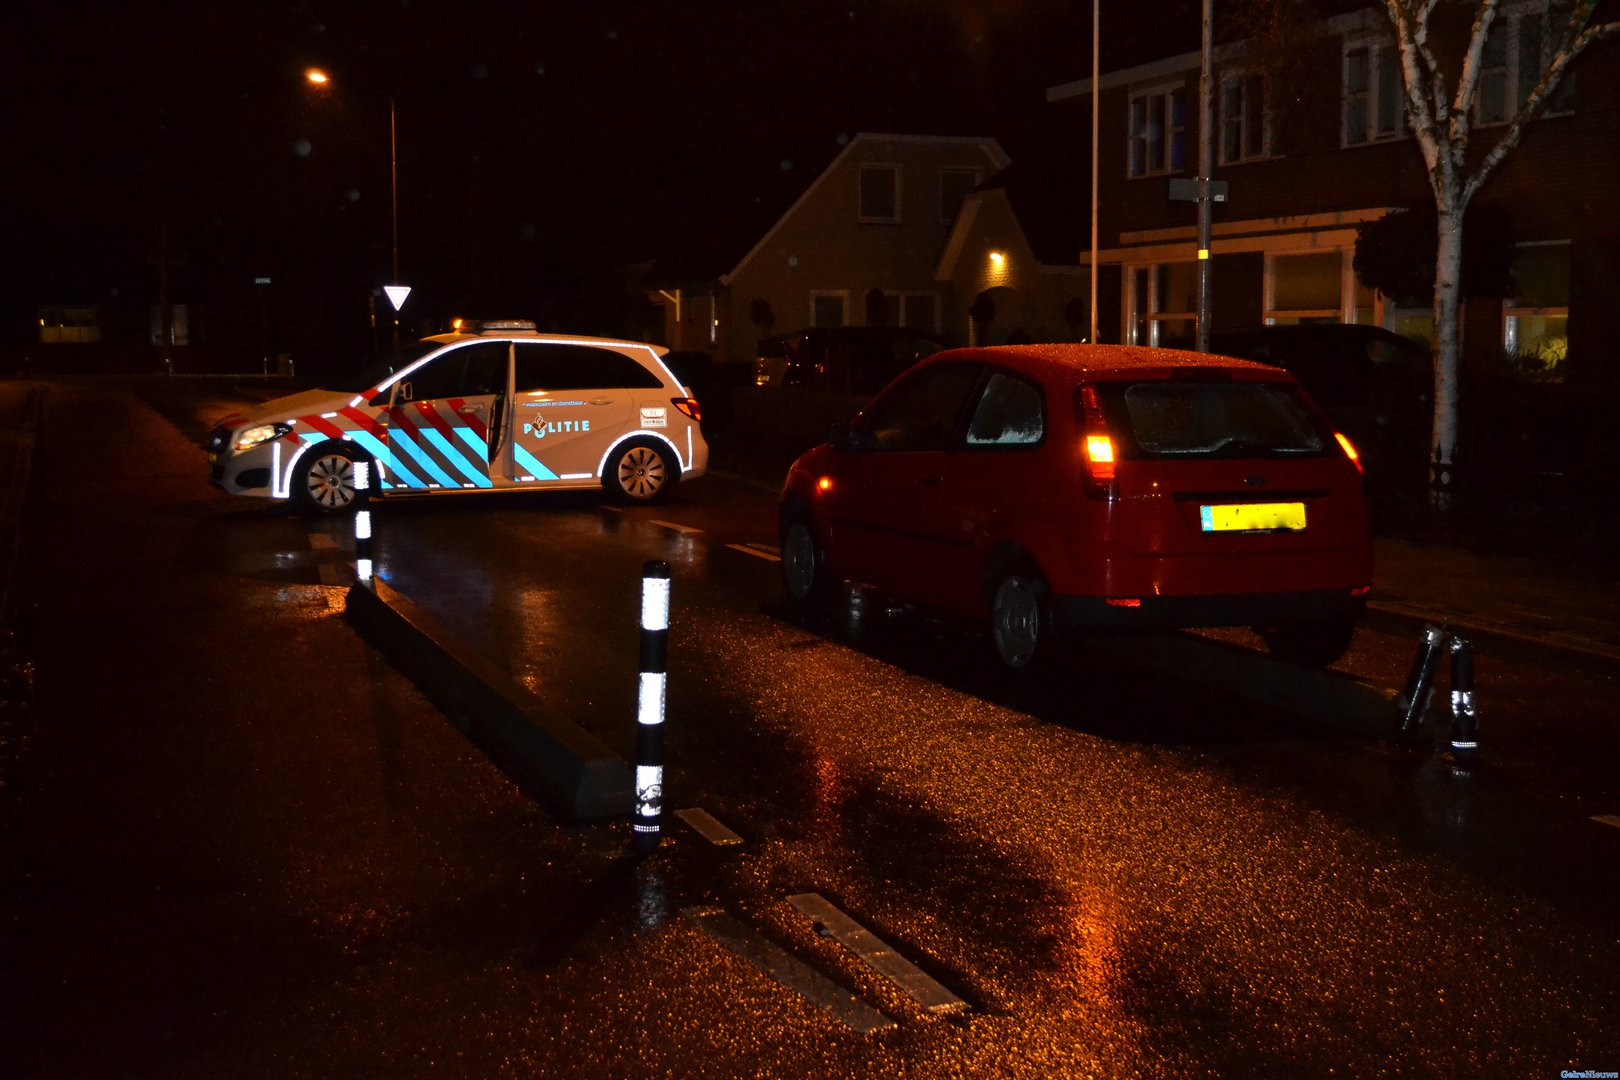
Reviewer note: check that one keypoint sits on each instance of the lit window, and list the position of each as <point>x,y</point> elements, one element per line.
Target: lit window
<point>1535,328</point>
<point>1158,132</point>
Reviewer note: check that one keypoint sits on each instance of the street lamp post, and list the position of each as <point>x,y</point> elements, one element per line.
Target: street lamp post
<point>319,78</point>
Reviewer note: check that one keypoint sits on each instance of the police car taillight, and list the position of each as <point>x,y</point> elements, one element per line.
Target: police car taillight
<point>689,406</point>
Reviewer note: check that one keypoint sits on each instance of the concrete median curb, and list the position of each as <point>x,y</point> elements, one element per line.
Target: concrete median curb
<point>1329,697</point>
<point>575,772</point>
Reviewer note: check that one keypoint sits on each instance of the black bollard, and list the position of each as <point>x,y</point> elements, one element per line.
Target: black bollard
<point>1464,728</point>
<point>1420,681</point>
<point>650,706</point>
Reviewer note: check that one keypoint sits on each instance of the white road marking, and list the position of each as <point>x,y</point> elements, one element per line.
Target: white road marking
<point>756,550</point>
<point>709,828</point>
<point>877,954</point>
<point>1607,819</point>
<point>677,528</point>
<point>789,970</point>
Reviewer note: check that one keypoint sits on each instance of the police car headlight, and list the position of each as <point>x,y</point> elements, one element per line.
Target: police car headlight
<point>248,438</point>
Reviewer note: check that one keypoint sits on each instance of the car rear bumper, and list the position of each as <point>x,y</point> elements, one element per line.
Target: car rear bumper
<point>1175,612</point>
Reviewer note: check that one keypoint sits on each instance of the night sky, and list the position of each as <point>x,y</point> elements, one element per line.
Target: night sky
<point>541,145</point>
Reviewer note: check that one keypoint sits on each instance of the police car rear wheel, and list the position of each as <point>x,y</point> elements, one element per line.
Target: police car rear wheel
<point>639,472</point>
<point>324,480</point>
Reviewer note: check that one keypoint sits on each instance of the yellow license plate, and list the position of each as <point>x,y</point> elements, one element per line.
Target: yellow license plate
<point>1251,517</point>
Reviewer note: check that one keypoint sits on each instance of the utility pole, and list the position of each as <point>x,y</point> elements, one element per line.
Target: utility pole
<point>1206,161</point>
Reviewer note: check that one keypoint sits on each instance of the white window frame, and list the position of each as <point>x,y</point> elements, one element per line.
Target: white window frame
<point>1345,312</point>
<point>1246,81</point>
<point>1517,83</point>
<point>905,298</point>
<point>1165,92</point>
<point>1377,126</point>
<point>1144,309</point>
<point>1512,312</point>
<point>842,296</point>
<point>860,194</point>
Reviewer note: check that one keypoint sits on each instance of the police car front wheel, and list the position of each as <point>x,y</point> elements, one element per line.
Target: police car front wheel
<point>323,482</point>
<point>640,471</point>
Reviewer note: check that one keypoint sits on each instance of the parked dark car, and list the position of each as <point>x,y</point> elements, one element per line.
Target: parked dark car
<point>1376,385</point>
<point>843,359</point>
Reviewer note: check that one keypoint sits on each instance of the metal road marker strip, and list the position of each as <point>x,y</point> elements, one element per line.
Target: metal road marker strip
<point>672,525</point>
<point>707,827</point>
<point>1607,819</point>
<point>877,955</point>
<point>758,551</point>
<point>789,970</point>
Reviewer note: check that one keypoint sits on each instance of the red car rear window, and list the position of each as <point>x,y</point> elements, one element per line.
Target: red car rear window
<point>1183,419</point>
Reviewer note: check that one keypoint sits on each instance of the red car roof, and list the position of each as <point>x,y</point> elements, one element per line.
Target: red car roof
<point>1108,361</point>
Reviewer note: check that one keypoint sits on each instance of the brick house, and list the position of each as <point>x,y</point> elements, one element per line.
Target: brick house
<point>1309,157</point>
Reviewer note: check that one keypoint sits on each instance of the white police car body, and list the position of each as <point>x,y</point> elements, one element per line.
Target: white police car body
<point>505,409</point>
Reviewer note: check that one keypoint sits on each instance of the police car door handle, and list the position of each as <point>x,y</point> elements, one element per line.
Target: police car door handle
<point>601,401</point>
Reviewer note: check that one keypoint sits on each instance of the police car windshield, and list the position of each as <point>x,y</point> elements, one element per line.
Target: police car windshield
<point>375,373</point>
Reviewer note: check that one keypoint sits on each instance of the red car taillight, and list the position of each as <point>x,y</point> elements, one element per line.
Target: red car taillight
<point>689,406</point>
<point>1350,452</point>
<point>1096,445</point>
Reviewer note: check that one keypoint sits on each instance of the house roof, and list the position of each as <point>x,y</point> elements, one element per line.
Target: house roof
<point>714,243</point>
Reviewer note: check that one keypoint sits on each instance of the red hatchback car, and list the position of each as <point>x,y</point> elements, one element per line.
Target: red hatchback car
<point>1055,487</point>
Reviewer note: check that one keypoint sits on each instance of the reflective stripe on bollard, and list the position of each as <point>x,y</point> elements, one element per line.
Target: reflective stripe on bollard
<point>650,705</point>
<point>362,520</point>
<point>1464,727</point>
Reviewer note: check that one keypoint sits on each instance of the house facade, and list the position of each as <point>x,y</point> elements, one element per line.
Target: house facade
<point>999,285</point>
<point>860,246</point>
<point>1309,156</point>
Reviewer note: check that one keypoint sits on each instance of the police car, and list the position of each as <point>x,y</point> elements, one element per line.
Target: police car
<point>502,409</point>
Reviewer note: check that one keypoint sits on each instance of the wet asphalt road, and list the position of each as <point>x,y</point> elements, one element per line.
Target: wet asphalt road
<point>246,846</point>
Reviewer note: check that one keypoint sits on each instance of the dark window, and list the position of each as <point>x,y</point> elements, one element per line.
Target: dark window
<point>1009,414</point>
<point>880,193</point>
<point>1214,419</point>
<point>922,411</point>
<point>542,366</point>
<point>468,371</point>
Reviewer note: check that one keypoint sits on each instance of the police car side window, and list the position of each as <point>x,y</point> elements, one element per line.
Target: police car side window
<point>469,371</point>
<point>577,367</point>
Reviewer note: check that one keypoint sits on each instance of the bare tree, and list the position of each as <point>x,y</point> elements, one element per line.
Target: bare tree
<point>1442,88</point>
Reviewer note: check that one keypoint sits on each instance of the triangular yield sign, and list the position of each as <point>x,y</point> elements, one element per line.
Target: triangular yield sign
<point>397,294</point>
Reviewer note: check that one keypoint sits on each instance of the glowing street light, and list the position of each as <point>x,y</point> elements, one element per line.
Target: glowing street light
<point>320,79</point>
